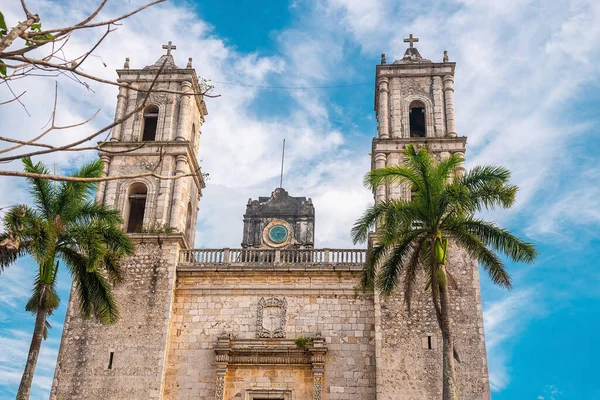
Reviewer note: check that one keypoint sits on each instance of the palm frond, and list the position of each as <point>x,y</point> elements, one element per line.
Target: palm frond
<point>484,174</point>
<point>41,189</point>
<point>391,174</point>
<point>369,272</point>
<point>72,195</point>
<point>476,248</point>
<point>393,266</point>
<point>363,226</point>
<point>410,277</point>
<point>499,239</point>
<point>94,211</point>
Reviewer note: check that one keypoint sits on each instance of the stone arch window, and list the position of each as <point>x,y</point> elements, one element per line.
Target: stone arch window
<point>417,119</point>
<point>137,195</point>
<point>150,124</point>
<point>188,224</point>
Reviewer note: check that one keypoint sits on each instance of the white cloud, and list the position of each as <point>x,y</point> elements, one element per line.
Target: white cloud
<point>505,319</point>
<point>578,208</point>
<point>520,68</point>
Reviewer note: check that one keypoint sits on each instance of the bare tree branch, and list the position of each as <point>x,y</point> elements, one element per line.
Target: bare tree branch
<point>13,99</point>
<point>50,61</point>
<point>72,145</point>
<point>102,179</point>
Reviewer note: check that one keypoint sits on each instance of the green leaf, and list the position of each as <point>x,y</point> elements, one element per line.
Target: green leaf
<point>36,27</point>
<point>2,23</point>
<point>2,68</point>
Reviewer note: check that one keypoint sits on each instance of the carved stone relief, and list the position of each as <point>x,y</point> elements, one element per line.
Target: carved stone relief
<point>270,321</point>
<point>318,388</point>
<point>220,392</point>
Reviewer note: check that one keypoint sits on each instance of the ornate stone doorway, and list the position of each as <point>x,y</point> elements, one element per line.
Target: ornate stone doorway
<point>241,357</point>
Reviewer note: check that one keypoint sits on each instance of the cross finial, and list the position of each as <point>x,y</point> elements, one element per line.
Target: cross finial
<point>411,40</point>
<point>170,46</point>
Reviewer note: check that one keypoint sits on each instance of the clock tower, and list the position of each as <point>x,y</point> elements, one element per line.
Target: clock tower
<point>279,221</point>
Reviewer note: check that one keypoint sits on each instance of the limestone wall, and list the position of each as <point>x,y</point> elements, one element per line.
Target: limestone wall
<point>406,368</point>
<point>210,304</point>
<point>137,341</point>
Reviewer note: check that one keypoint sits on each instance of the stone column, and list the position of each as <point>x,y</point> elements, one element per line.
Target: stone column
<point>460,170</point>
<point>222,360</point>
<point>183,128</point>
<point>120,111</point>
<point>449,98</point>
<point>438,106</point>
<point>102,185</point>
<point>317,359</point>
<point>380,159</point>
<point>383,116</point>
<point>177,206</point>
<point>126,131</point>
<point>394,189</point>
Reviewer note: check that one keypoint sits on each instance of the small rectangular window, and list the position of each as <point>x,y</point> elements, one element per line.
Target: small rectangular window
<point>429,343</point>
<point>110,359</point>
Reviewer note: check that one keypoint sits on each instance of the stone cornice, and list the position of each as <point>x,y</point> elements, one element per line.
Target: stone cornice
<point>269,352</point>
<point>434,144</point>
<point>158,237</point>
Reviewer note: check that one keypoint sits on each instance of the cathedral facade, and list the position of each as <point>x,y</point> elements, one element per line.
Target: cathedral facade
<point>276,318</point>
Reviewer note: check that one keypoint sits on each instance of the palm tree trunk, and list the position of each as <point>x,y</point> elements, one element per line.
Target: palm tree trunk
<point>449,375</point>
<point>34,348</point>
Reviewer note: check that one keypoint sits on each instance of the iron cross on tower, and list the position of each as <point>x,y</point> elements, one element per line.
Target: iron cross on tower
<point>410,40</point>
<point>169,46</point>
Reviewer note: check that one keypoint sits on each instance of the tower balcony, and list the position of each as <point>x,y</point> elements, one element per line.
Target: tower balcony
<point>227,259</point>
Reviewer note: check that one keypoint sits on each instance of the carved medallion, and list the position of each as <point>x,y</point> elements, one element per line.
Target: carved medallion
<point>270,321</point>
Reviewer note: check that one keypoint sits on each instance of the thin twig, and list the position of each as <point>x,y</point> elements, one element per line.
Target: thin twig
<point>93,135</point>
<point>78,179</point>
<point>17,98</point>
<point>13,99</point>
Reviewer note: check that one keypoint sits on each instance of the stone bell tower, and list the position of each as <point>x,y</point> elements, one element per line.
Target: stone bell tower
<point>127,359</point>
<point>414,103</point>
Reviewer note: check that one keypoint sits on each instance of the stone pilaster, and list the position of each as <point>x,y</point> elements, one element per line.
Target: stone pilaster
<point>449,97</point>
<point>119,113</point>
<point>102,185</point>
<point>460,170</point>
<point>126,131</point>
<point>380,193</point>
<point>394,189</point>
<point>317,359</point>
<point>438,107</point>
<point>177,218</point>
<point>383,112</point>
<point>184,127</point>
<point>222,361</point>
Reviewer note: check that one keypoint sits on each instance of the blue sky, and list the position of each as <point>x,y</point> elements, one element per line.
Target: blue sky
<point>526,96</point>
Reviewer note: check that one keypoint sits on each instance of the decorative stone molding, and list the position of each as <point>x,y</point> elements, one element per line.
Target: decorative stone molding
<point>317,387</point>
<point>270,320</point>
<point>268,394</point>
<point>220,389</point>
<point>246,352</point>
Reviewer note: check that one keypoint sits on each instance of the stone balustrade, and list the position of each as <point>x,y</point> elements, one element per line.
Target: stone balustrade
<point>222,258</point>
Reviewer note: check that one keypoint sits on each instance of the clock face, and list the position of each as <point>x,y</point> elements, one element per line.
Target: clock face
<point>278,234</point>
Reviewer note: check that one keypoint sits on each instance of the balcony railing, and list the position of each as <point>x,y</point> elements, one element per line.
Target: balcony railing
<point>273,257</point>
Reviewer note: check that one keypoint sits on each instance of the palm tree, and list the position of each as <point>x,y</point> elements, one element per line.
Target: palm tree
<point>412,235</point>
<point>65,227</point>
